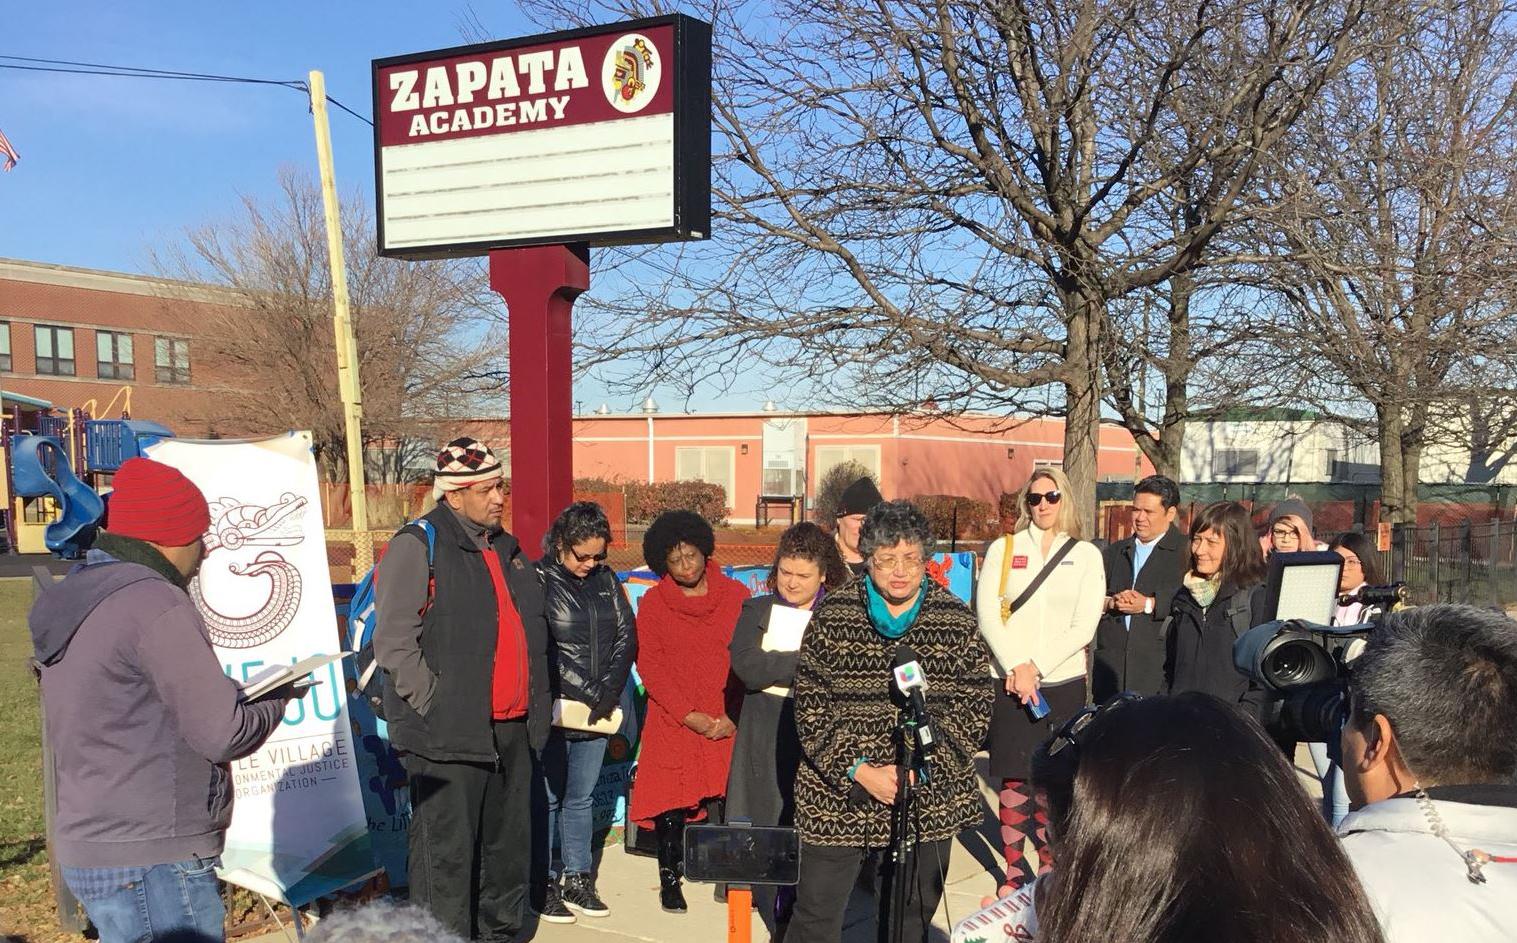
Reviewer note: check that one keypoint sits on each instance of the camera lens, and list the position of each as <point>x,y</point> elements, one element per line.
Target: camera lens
<point>1295,662</point>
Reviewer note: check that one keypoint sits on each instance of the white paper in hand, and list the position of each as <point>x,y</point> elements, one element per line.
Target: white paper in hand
<point>786,626</point>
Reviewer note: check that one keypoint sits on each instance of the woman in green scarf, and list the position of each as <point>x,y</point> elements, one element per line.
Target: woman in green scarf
<point>848,711</point>
<point>1222,596</point>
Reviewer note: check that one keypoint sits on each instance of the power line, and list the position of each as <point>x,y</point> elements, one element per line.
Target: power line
<point>72,67</point>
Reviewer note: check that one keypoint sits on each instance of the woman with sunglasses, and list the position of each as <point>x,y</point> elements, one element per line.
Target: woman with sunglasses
<point>594,642</point>
<point>1040,596</point>
<point>1152,845</point>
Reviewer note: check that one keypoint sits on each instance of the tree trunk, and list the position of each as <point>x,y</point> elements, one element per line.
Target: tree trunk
<point>1082,404</point>
<point>1413,438</point>
<point>1393,502</point>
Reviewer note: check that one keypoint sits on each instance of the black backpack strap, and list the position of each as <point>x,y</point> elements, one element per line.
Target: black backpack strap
<point>1037,581</point>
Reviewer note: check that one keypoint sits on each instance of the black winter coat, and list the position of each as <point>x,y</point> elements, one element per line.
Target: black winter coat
<point>1200,645</point>
<point>594,634</point>
<point>1132,659</point>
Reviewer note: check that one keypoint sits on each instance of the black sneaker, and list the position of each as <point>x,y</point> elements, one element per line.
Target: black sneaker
<point>553,909</point>
<point>579,893</point>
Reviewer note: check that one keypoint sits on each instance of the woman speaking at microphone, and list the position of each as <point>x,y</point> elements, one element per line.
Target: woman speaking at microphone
<point>847,713</point>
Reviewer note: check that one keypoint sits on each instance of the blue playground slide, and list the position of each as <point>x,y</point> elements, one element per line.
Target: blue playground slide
<point>40,466</point>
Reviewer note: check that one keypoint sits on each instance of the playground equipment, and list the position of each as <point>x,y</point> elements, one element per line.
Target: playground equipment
<point>56,472</point>
<point>40,468</point>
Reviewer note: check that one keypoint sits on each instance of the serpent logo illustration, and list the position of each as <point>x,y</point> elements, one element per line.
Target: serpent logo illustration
<point>238,527</point>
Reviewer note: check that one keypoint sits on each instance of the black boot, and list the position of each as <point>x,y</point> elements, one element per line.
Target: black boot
<point>670,829</point>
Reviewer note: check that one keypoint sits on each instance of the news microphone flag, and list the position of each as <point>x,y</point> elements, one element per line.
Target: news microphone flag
<point>7,149</point>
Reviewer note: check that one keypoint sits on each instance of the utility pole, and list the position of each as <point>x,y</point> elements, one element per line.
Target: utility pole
<point>348,384</point>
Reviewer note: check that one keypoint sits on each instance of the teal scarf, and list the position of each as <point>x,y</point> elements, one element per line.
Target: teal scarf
<point>892,627</point>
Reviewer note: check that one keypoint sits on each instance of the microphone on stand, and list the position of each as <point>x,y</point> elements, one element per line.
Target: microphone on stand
<point>912,683</point>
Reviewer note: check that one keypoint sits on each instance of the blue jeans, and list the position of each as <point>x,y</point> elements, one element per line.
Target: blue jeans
<point>1330,770</point>
<point>179,902</point>
<point>570,769</point>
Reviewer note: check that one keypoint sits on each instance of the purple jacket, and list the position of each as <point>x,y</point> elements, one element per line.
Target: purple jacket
<point>142,720</point>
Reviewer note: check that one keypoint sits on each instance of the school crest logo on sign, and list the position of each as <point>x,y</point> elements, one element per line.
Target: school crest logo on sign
<point>631,72</point>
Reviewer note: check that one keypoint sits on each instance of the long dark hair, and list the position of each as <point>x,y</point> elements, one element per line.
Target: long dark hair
<point>1242,557</point>
<point>1360,545</point>
<point>807,541</point>
<point>1187,823</point>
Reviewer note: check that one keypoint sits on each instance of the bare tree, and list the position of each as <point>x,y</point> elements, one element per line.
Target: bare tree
<point>1394,224</point>
<point>939,201</point>
<point>421,331</point>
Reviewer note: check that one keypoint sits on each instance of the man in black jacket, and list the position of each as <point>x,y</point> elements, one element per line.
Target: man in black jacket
<point>464,646</point>
<point>1143,573</point>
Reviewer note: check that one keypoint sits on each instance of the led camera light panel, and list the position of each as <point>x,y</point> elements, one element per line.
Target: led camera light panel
<point>599,135</point>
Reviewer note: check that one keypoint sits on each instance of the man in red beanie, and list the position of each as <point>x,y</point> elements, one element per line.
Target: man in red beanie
<point>142,721</point>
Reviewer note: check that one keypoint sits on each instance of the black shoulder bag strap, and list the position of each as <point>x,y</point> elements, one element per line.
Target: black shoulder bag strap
<point>1037,581</point>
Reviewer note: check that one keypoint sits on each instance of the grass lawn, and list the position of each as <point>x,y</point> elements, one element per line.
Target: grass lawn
<point>26,904</point>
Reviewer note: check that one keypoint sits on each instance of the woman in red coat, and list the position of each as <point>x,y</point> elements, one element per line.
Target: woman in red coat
<point>684,625</point>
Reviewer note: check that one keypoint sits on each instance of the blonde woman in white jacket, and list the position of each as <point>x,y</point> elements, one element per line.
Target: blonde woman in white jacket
<point>1037,649</point>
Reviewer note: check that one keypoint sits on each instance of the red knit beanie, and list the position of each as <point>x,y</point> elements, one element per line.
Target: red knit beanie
<point>156,503</point>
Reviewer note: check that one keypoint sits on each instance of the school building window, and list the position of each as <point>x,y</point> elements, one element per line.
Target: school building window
<point>172,358</point>
<point>55,350</point>
<point>5,346</point>
<point>709,464</point>
<point>113,356</point>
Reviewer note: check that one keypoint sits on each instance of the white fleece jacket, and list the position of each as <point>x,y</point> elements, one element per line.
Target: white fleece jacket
<point>1053,628</point>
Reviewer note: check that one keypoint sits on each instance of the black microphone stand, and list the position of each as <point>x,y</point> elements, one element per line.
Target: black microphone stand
<point>909,760</point>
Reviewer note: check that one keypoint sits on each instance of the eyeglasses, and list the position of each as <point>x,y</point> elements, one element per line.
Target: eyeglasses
<point>1069,732</point>
<point>1034,498</point>
<point>587,557</point>
<point>906,564</point>
<point>1285,534</point>
<point>1352,561</point>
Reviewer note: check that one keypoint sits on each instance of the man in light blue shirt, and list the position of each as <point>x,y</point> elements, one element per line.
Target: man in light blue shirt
<point>1143,573</point>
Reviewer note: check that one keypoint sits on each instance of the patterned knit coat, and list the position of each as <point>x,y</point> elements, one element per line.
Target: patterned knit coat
<point>846,707</point>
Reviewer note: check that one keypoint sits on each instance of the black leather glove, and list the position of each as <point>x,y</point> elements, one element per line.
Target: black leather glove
<point>603,708</point>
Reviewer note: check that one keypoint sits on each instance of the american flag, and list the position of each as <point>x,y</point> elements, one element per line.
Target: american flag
<point>8,152</point>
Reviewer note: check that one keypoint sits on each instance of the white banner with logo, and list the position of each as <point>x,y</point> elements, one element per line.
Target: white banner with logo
<point>298,825</point>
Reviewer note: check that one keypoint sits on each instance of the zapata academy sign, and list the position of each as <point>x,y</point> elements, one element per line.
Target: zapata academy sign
<point>599,135</point>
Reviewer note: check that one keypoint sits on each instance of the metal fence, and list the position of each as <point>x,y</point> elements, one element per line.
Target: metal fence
<point>1464,563</point>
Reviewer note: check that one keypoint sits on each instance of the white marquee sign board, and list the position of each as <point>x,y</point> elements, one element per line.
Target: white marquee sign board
<point>599,135</point>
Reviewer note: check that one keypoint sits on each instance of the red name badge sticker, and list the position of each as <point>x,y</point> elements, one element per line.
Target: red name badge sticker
<point>1019,563</point>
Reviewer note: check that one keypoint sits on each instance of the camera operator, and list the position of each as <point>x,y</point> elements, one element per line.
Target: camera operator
<point>1430,758</point>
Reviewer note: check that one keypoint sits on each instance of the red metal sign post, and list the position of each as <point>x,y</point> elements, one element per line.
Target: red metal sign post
<point>539,285</point>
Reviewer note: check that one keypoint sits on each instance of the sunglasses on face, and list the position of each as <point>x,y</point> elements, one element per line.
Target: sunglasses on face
<point>1034,498</point>
<point>587,557</point>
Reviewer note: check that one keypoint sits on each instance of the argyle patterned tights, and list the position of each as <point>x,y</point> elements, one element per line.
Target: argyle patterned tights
<point>1023,818</point>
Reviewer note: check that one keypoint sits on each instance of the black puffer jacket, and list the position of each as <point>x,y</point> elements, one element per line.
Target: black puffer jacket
<point>594,635</point>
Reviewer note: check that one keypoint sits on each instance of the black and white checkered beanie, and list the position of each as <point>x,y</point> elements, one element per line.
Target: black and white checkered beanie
<point>464,462</point>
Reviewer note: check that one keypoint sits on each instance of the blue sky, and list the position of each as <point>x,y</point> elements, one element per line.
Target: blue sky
<point>112,166</point>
